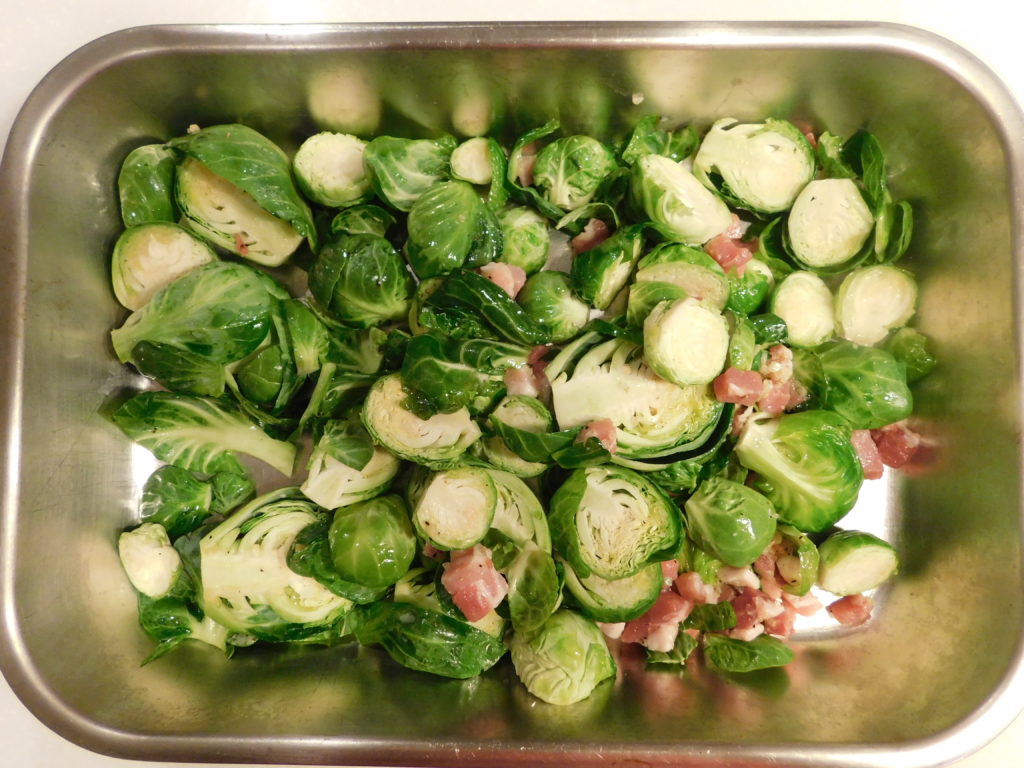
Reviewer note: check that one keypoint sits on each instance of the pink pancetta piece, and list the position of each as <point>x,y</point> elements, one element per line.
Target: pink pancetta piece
<point>474,584</point>
<point>604,431</point>
<point>738,386</point>
<point>868,453</point>
<point>852,610</point>
<point>593,234</point>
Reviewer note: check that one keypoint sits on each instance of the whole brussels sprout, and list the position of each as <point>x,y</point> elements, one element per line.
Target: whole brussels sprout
<point>733,522</point>
<point>548,300</point>
<point>526,239</point>
<point>569,170</point>
<point>372,542</point>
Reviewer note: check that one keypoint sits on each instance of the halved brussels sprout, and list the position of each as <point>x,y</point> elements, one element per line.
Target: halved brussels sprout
<point>601,273</point>
<point>643,297</point>
<point>526,238</point>
<point>403,169</point>
<point>911,347</point>
<point>614,600</point>
<point>760,166</point>
<point>534,589</point>
<point>336,479</point>
<point>362,220</point>
<point>548,300</point>
<point>471,161</point>
<point>525,413</point>
<point>689,269</point>
<point>450,226</point>
<point>806,466</point>
<point>329,169</point>
<point>685,342</point>
<point>564,660</point>
<point>672,198</point>
<point>437,442</point>
<point>247,584</point>
<point>372,542</point>
<point>453,509</point>
<point>361,280</point>
<point>594,379</point>
<point>145,185</point>
<point>518,514</point>
<point>798,563</point>
<point>148,558</point>
<point>872,301</point>
<point>828,224</point>
<point>151,256</point>
<point>228,217</point>
<point>853,562</point>
<point>611,521</point>
<point>805,303</point>
<point>569,170</point>
<point>731,521</point>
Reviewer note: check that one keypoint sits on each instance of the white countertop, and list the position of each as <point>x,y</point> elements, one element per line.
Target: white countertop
<point>36,34</point>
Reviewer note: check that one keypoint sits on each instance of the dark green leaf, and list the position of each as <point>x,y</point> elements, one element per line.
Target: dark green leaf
<point>712,617</point>
<point>730,655</point>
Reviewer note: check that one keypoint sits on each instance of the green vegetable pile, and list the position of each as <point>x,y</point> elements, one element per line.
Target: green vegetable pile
<point>572,438</point>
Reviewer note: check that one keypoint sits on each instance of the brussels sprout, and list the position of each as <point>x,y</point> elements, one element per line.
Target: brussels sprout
<point>614,600</point>
<point>345,467</point>
<point>804,302</point>
<point>453,509</point>
<point>689,269</point>
<point>525,238</point>
<point>522,413</point>
<point>910,347</point>
<point>733,522</point>
<point>145,185</point>
<point>828,224</point>
<point>247,584</point>
<point>548,300</point>
<point>372,542</point>
<point>611,521</point>
<point>428,641</point>
<point>199,434</point>
<point>518,514</point>
<point>798,566</point>
<point>307,337</point>
<point>148,558</point>
<point>310,555</point>
<point>220,311</point>
<point>564,660</point>
<point>601,272</point>
<point>677,203</point>
<point>361,280</point>
<point>534,589</point>
<point>748,291</point>
<point>471,161</point>
<point>329,169</point>
<point>593,379</point>
<point>449,226</point>
<point>759,166</point>
<point>403,169</point>
<point>685,342</point>
<point>569,170</point>
<point>648,139</point>
<point>362,220</point>
<point>872,301</point>
<point>438,441</point>
<point>442,374</point>
<point>806,464</point>
<point>865,385</point>
<point>149,257</point>
<point>263,376</point>
<point>853,562</point>
<point>645,295</point>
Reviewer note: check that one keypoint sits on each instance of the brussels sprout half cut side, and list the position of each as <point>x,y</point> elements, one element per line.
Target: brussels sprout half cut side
<point>471,161</point>
<point>333,484</point>
<point>828,224</point>
<point>148,558</point>
<point>685,342</point>
<point>761,166</point>
<point>436,442</point>
<point>611,521</point>
<point>453,509</point>
<point>615,600</point>
<point>223,214</point>
<point>853,562</point>
<point>151,256</point>
<point>805,303</point>
<point>329,169</point>
<point>873,301</point>
<point>676,202</point>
